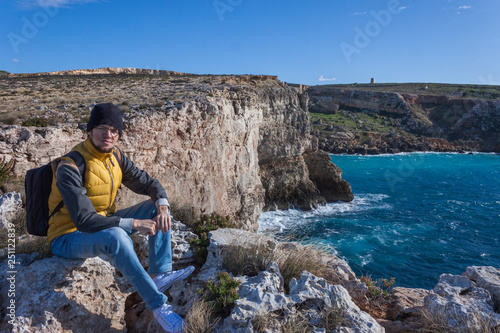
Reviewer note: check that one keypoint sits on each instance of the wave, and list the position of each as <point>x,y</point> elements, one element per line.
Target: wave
<point>279,220</point>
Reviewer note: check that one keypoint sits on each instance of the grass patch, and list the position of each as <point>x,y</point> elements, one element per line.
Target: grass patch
<point>200,318</point>
<point>244,258</point>
<point>296,324</point>
<point>332,318</point>
<point>437,322</point>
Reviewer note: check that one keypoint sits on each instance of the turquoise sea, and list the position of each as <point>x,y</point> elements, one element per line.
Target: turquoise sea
<point>414,216</point>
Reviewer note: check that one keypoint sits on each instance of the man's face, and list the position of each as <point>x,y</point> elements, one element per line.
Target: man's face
<point>104,138</point>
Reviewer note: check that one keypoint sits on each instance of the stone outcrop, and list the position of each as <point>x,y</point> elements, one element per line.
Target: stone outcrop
<point>265,293</point>
<point>327,177</point>
<point>457,301</point>
<point>309,295</point>
<point>488,278</point>
<point>467,302</point>
<point>60,295</point>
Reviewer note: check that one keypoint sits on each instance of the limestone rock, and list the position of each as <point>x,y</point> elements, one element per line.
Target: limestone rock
<point>287,185</point>
<point>318,293</point>
<point>337,269</point>
<point>56,295</point>
<point>327,177</point>
<point>407,302</point>
<point>457,302</point>
<point>263,295</point>
<point>486,277</point>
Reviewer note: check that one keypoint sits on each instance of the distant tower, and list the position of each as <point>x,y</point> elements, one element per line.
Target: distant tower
<point>372,81</point>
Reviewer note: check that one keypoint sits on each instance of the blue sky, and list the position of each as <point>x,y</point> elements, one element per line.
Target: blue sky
<point>309,42</point>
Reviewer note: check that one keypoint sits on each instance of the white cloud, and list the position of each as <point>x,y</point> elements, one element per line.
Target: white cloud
<point>29,4</point>
<point>402,8</point>
<point>464,7</point>
<point>15,60</point>
<point>360,13</point>
<point>321,78</point>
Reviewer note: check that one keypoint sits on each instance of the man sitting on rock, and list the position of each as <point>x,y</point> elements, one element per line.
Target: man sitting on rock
<point>90,225</point>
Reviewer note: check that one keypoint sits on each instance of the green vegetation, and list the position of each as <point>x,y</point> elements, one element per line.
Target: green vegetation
<point>458,90</point>
<point>369,122</point>
<point>5,169</point>
<point>377,289</point>
<point>221,294</point>
<point>202,227</point>
<point>37,122</point>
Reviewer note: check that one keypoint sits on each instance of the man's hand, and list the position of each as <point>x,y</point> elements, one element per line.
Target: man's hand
<point>163,219</point>
<point>147,227</point>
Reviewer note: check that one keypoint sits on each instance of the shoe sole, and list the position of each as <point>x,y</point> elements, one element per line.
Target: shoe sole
<point>178,278</point>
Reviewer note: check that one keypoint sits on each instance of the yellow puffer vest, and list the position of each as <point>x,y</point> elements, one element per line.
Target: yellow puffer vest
<point>103,177</point>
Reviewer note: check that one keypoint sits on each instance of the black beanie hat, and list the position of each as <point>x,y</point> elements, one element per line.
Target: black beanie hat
<point>106,114</point>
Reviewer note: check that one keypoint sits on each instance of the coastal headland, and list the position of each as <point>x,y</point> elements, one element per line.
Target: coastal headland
<point>233,145</point>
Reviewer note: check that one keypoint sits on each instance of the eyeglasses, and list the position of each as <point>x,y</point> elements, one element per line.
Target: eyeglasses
<point>104,130</point>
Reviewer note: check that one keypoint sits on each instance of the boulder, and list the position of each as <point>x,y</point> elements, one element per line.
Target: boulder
<point>486,277</point>
<point>457,302</point>
<point>407,302</point>
<point>56,295</point>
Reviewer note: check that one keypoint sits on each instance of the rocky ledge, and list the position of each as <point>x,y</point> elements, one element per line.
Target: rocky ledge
<point>90,293</point>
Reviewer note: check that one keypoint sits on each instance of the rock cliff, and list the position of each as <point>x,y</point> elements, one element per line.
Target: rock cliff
<point>231,148</point>
<point>104,70</point>
<point>388,122</point>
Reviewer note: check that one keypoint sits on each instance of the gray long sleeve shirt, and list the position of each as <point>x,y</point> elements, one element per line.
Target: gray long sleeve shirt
<point>80,208</point>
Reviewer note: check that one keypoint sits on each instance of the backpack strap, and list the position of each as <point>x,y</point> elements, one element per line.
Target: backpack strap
<point>81,166</point>
<point>118,156</point>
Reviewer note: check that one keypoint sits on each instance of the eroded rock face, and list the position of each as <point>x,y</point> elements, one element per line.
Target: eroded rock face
<point>220,152</point>
<point>458,123</point>
<point>61,295</point>
<point>327,177</point>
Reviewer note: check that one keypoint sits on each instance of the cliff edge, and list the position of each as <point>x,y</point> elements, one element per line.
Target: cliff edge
<point>231,144</point>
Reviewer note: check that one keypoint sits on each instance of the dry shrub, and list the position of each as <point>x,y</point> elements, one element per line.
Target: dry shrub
<point>296,324</point>
<point>435,322</point>
<point>249,258</point>
<point>25,243</point>
<point>199,319</point>
<point>332,318</point>
<point>30,244</point>
<point>261,321</point>
<point>243,258</point>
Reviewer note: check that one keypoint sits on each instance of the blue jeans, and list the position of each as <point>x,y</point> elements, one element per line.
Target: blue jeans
<point>116,243</point>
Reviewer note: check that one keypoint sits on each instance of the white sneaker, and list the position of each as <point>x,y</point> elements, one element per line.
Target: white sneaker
<point>170,321</point>
<point>165,280</point>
